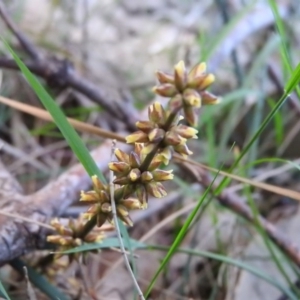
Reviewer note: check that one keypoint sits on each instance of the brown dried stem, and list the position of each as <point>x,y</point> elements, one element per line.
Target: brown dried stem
<point>61,74</point>
<point>23,40</point>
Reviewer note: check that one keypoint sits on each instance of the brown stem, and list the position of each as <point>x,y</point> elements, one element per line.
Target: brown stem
<point>88,226</point>
<point>24,41</point>
<point>147,161</point>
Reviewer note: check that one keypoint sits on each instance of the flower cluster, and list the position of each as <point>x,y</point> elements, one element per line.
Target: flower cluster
<point>186,90</point>
<point>157,131</point>
<point>136,174</point>
<point>100,201</point>
<point>130,174</point>
<point>67,235</point>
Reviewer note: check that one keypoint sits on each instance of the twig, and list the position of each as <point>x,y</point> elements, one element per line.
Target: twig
<point>24,219</point>
<point>61,73</point>
<point>24,41</point>
<point>115,218</point>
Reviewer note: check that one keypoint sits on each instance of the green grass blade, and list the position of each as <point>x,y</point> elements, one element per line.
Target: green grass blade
<point>264,124</point>
<point>294,80</point>
<point>39,281</point>
<point>180,236</point>
<point>225,259</point>
<point>262,232</point>
<point>280,28</point>
<point>278,124</point>
<point>60,120</point>
<point>210,45</point>
<point>3,291</point>
<point>285,55</point>
<point>107,243</point>
<point>270,160</point>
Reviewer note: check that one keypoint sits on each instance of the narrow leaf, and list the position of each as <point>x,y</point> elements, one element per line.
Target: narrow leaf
<point>59,118</point>
<point>179,237</point>
<point>230,261</point>
<point>3,291</point>
<point>39,281</point>
<point>293,81</point>
<point>107,243</point>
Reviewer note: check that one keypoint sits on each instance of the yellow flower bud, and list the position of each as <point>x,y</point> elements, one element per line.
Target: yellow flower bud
<point>209,98</point>
<point>121,155</point>
<point>137,137</point>
<point>165,90</point>
<point>145,126</point>
<point>134,175</point>
<point>180,76</point>
<point>156,113</point>
<point>119,167</point>
<point>186,131</point>
<point>156,189</point>
<point>146,176</point>
<point>156,135</point>
<point>164,77</point>
<point>197,71</point>
<point>192,98</point>
<point>206,82</point>
<point>90,196</point>
<point>162,175</point>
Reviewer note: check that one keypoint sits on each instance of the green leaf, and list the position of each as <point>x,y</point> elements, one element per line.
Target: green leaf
<point>284,51</point>
<point>293,81</point>
<point>107,243</point>
<point>278,124</point>
<point>225,181</point>
<point>180,237</point>
<point>225,259</point>
<point>3,291</point>
<point>60,120</point>
<point>269,160</point>
<point>39,281</point>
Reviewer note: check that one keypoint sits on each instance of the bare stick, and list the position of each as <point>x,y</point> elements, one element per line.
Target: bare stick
<point>115,218</point>
<point>24,41</point>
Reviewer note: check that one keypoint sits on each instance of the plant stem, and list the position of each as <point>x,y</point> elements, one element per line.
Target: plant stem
<point>88,226</point>
<point>147,161</point>
<point>115,218</point>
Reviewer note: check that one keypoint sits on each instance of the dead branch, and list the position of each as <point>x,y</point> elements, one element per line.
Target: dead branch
<point>23,40</point>
<point>60,73</point>
<point>18,237</point>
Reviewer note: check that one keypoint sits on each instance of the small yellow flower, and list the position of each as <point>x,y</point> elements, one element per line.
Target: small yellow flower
<point>100,195</point>
<point>66,236</point>
<point>137,181</point>
<point>180,76</point>
<point>164,77</point>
